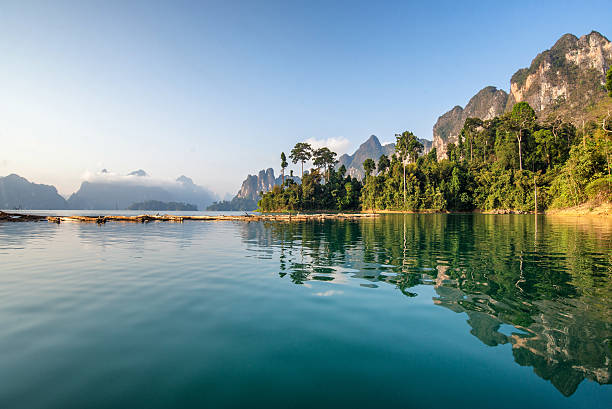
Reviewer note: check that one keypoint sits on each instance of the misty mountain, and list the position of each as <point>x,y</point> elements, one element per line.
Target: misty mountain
<point>120,192</point>
<point>18,192</point>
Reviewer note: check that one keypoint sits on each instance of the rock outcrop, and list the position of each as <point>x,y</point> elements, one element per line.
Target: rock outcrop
<point>254,184</point>
<point>563,82</point>
<point>488,103</point>
<point>249,193</point>
<point>565,79</point>
<point>370,149</point>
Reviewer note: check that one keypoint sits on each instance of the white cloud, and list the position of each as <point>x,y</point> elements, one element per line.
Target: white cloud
<point>339,145</point>
<point>112,177</point>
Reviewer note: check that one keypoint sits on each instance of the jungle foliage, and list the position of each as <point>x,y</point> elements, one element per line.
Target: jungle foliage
<point>500,163</point>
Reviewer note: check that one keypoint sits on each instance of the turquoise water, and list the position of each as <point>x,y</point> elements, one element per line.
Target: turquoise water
<point>414,311</point>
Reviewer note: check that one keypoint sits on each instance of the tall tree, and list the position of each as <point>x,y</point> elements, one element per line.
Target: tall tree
<point>324,158</point>
<point>415,148</point>
<point>523,119</point>
<point>369,165</point>
<point>383,164</point>
<point>301,152</point>
<point>403,147</point>
<point>470,128</point>
<point>284,164</point>
<point>407,146</point>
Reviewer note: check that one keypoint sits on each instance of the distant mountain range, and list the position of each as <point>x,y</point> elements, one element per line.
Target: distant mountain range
<point>105,192</point>
<point>18,193</point>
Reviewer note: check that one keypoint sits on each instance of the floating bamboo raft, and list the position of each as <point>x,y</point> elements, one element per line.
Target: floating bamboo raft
<point>147,218</point>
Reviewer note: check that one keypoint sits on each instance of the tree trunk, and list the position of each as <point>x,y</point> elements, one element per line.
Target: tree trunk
<point>520,137</point>
<point>471,156</point>
<point>404,185</point>
<point>283,182</point>
<point>535,192</point>
<point>302,172</point>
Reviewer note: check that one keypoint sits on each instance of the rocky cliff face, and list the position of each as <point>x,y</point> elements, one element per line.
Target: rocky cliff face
<point>565,79</point>
<point>262,182</point>
<point>561,82</point>
<point>488,103</point>
<point>370,149</point>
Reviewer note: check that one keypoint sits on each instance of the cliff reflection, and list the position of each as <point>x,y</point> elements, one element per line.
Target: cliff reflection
<point>548,280</point>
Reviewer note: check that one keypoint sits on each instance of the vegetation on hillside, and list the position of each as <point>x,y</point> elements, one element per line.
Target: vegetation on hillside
<point>507,162</point>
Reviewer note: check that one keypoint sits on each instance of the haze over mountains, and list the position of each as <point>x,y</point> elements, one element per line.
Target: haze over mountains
<point>18,192</point>
<point>103,191</point>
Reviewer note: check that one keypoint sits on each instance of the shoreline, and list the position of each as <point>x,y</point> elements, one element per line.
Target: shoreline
<point>147,218</point>
<point>587,209</point>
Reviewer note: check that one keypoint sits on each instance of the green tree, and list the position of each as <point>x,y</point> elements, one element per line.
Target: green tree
<point>407,146</point>
<point>415,148</point>
<point>469,131</point>
<point>325,159</point>
<point>301,152</point>
<point>523,119</point>
<point>369,165</point>
<point>284,164</point>
<point>383,164</point>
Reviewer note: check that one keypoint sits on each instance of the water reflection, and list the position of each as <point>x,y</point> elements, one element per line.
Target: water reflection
<point>543,285</point>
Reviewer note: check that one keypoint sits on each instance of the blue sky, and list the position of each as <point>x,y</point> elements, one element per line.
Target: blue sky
<point>215,90</point>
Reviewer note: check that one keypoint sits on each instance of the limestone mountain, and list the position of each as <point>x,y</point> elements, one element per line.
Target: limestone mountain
<point>249,193</point>
<point>566,79</point>
<point>371,149</point>
<point>18,192</point>
<point>253,184</point>
<point>262,182</point>
<point>563,82</point>
<point>488,103</point>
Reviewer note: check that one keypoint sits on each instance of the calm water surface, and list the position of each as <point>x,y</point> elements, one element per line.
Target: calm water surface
<point>414,311</point>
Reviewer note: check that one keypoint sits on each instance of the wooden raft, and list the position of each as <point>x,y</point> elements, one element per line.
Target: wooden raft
<point>146,218</point>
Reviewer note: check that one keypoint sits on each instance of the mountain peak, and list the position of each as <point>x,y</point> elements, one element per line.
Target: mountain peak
<point>139,172</point>
<point>184,180</point>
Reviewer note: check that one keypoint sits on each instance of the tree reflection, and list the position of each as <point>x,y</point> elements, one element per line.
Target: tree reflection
<point>550,280</point>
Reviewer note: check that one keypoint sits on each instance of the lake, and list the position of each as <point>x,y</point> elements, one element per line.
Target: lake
<point>411,311</point>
